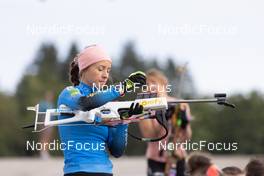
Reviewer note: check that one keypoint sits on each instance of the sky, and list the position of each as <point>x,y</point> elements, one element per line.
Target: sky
<point>222,41</point>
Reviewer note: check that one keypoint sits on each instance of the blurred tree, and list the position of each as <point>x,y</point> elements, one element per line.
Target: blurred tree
<point>171,68</point>
<point>130,60</point>
<point>12,141</point>
<point>242,125</point>
<point>64,66</point>
<point>180,79</point>
<point>41,76</point>
<point>47,64</point>
<point>153,64</point>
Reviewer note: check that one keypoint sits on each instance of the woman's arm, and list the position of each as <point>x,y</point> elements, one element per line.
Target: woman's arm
<point>117,140</point>
<point>118,135</point>
<point>101,97</point>
<point>72,98</point>
<point>97,99</point>
<point>150,128</point>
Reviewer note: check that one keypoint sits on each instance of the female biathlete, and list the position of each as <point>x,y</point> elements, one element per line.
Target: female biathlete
<point>86,146</point>
<point>159,161</point>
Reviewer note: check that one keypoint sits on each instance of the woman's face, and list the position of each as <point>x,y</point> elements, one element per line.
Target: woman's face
<point>154,84</point>
<point>97,73</point>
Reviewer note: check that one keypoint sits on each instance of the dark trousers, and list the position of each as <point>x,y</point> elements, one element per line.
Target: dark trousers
<point>158,168</point>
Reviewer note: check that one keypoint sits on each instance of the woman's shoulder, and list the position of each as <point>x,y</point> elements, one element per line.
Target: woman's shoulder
<point>69,96</point>
<point>69,92</point>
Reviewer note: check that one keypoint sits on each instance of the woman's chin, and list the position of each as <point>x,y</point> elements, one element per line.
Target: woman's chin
<point>100,84</point>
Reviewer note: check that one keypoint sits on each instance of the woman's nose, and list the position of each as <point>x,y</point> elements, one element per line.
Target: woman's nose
<point>105,74</point>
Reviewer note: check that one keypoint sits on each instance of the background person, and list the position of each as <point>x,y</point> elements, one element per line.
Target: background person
<point>157,159</point>
<point>232,171</point>
<point>201,165</point>
<point>255,168</point>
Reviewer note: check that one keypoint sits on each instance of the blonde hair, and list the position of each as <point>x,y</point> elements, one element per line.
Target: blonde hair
<point>158,75</point>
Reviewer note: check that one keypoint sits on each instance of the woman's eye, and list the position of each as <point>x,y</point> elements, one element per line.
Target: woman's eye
<point>100,68</point>
<point>108,70</point>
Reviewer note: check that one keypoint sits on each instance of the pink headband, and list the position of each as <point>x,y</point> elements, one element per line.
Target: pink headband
<point>91,55</point>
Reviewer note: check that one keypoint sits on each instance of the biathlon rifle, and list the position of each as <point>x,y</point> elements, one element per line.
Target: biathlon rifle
<point>110,114</point>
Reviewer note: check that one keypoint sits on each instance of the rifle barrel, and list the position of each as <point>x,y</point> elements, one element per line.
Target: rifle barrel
<point>213,100</point>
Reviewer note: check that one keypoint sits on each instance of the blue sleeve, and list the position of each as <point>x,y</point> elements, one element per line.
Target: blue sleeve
<point>117,140</point>
<point>97,99</point>
<point>70,97</point>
